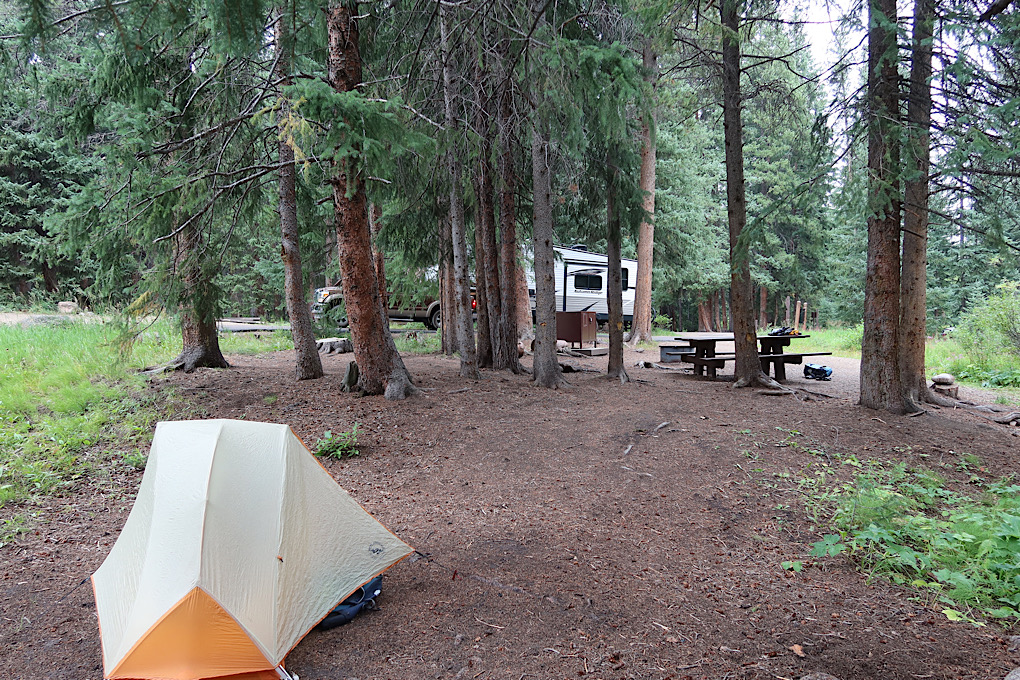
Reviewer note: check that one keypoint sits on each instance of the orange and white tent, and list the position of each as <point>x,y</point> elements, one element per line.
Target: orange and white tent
<point>238,543</point>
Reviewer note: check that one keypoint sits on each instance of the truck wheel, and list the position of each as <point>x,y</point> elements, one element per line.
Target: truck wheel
<point>435,319</point>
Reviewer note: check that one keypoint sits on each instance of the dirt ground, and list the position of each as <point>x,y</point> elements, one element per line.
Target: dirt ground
<point>602,531</point>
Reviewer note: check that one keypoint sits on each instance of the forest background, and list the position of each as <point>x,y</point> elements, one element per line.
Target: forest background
<point>143,143</point>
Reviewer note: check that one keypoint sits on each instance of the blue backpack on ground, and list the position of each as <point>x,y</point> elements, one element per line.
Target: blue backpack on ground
<point>817,372</point>
<point>360,599</point>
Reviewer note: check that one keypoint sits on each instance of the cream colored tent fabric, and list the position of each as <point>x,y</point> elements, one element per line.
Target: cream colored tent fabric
<point>238,543</point>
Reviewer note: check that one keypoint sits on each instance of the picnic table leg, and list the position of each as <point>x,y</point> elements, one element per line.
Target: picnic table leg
<point>780,370</point>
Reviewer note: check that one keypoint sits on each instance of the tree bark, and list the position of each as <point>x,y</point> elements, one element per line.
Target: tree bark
<point>547,371</point>
<point>486,250</point>
<point>461,284</point>
<point>614,283</point>
<point>763,304</point>
<point>525,315</point>
<point>747,367</point>
<point>508,238</point>
<point>200,344</point>
<point>641,326</point>
<point>881,386</point>
<point>914,277</point>
<point>308,365</point>
<point>375,213</point>
<point>380,367</point>
<point>483,354</point>
<point>446,297</point>
<point>704,316</point>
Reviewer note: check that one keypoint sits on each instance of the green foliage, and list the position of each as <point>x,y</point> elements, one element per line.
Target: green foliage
<point>340,445</point>
<point>990,378</point>
<point>907,525</point>
<point>840,340</point>
<point>993,325</point>
<point>417,342</point>
<point>256,343</point>
<point>68,399</point>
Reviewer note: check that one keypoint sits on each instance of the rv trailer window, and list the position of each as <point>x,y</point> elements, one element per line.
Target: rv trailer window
<point>624,274</point>
<point>587,282</point>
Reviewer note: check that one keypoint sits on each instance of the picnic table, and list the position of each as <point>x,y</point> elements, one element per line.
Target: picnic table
<point>771,351</point>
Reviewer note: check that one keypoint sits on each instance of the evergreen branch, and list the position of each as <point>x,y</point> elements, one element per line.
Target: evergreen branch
<point>966,226</point>
<point>419,114</point>
<point>170,147</point>
<point>992,173</point>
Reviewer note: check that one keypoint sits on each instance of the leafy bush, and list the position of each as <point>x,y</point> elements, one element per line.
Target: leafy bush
<point>909,527</point>
<point>993,326</point>
<point>339,445</point>
<point>991,378</point>
<point>662,321</point>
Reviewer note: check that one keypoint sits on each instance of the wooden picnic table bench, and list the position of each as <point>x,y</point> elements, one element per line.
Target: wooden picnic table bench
<point>771,352</point>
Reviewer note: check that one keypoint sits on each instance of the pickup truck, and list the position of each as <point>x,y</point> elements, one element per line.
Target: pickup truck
<point>427,311</point>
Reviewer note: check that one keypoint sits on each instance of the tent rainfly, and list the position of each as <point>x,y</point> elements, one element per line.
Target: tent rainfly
<point>238,543</point>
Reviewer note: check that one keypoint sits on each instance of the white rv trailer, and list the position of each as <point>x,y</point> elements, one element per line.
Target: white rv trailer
<point>582,283</point>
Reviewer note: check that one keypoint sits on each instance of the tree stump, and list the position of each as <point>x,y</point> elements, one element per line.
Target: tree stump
<point>334,345</point>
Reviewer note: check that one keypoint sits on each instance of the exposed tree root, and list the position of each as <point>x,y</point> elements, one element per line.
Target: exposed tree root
<point>992,413</point>
<point>399,385</point>
<point>189,361</point>
<point>760,380</point>
<point>1005,419</point>
<point>621,374</point>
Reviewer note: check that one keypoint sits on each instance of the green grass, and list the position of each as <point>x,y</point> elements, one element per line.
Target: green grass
<point>417,342</point>
<point>69,397</point>
<point>255,343</point>
<point>942,355</point>
<point>841,341</point>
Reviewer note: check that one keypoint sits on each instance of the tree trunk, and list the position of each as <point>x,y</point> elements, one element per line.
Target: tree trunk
<point>508,238</point>
<point>704,315</point>
<point>546,366</point>
<point>796,316</point>
<point>308,365</point>
<point>375,213</point>
<point>446,297</point>
<point>881,387</point>
<point>716,324</point>
<point>641,326</point>
<point>200,344</point>
<point>914,281</point>
<point>483,355</point>
<point>458,233</point>
<point>614,279</point>
<point>381,369</point>
<point>786,319</point>
<point>486,250</point>
<point>50,280</point>
<point>747,367</point>
<point>525,318</point>
<point>763,307</point>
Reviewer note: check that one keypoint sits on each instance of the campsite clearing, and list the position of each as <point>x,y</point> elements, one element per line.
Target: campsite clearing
<point>603,531</point>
